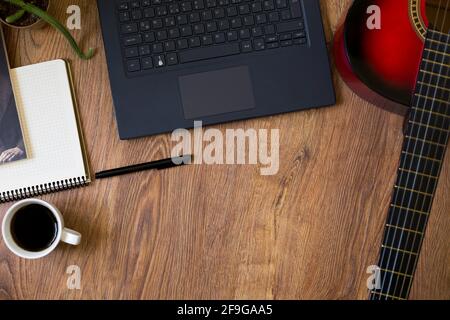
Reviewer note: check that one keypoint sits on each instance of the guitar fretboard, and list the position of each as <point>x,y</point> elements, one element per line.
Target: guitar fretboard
<point>426,139</point>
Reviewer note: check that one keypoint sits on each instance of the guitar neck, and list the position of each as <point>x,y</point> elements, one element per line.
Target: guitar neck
<point>426,139</point>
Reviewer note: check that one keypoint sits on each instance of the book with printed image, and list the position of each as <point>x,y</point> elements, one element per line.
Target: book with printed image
<point>12,147</point>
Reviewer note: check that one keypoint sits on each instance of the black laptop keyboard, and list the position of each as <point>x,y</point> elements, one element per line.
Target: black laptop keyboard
<point>160,33</point>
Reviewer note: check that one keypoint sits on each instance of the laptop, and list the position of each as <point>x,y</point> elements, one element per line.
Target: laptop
<point>173,62</point>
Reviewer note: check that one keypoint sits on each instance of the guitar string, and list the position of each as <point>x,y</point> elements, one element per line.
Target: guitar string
<point>433,163</point>
<point>415,175</point>
<point>393,213</point>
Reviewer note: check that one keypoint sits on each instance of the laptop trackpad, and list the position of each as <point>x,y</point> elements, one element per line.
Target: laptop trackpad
<point>216,92</point>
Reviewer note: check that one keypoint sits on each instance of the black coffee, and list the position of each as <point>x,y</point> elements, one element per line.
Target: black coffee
<point>34,227</point>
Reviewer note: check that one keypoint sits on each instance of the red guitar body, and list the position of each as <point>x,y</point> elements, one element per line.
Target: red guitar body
<point>381,65</point>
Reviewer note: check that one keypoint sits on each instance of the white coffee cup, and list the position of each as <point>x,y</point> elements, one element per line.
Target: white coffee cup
<point>62,234</point>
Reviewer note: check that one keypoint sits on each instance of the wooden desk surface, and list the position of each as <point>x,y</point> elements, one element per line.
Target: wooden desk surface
<point>225,232</point>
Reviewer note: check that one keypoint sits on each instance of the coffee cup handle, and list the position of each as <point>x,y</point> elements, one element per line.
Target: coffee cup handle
<point>71,237</point>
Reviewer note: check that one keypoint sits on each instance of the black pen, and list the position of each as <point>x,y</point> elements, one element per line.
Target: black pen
<point>158,165</point>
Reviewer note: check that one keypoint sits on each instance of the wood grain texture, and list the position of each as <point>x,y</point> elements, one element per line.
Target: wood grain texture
<point>226,232</point>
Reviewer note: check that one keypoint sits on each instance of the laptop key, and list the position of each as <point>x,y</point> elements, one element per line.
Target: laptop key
<point>172,59</point>
<point>186,6</point>
<point>157,48</point>
<point>145,25</point>
<point>299,34</point>
<point>271,39</point>
<point>219,37</point>
<point>159,61</point>
<point>207,40</point>
<point>246,46</point>
<point>129,28</point>
<point>157,23</point>
<point>274,17</point>
<point>123,6</point>
<point>149,37</point>
<point>169,46</point>
<point>161,35</point>
<point>259,44</point>
<point>281,4</point>
<point>268,5</point>
<point>257,31</point>
<point>133,65</point>
<point>300,41</point>
<point>290,26</point>
<point>285,15</point>
<point>244,34</point>
<point>182,43</point>
<point>174,33</point>
<point>124,16</point>
<point>144,50</point>
<point>149,13</point>
<point>249,21</point>
<point>182,19</point>
<point>131,52</point>
<point>209,52</point>
<point>147,63</point>
<point>132,40</point>
<point>232,35</point>
<point>194,42</point>
<point>161,11</point>
<point>296,11</point>
<point>270,29</point>
<point>136,14</point>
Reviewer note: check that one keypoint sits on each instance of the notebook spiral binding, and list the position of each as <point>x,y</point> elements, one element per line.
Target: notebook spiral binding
<point>43,189</point>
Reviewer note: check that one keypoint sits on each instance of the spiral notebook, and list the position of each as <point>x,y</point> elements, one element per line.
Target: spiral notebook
<point>52,136</point>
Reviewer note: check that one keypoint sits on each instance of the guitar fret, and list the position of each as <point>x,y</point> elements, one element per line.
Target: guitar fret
<point>404,229</point>
<point>427,78</point>
<point>422,157</point>
<point>418,173</point>
<point>439,33</point>
<point>428,126</point>
<point>429,134</point>
<point>432,112</point>
<point>396,272</point>
<point>426,141</point>
<point>408,209</point>
<point>402,240</point>
<point>436,41</point>
<point>431,98</point>
<point>435,62</point>
<point>435,74</point>
<point>400,250</point>
<point>438,52</point>
<point>415,191</point>
<point>387,295</point>
<point>407,218</point>
<point>433,86</point>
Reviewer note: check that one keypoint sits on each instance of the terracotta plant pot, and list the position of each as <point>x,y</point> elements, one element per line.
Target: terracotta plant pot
<point>35,25</point>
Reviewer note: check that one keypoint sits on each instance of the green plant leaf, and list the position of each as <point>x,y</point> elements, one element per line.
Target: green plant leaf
<point>16,16</point>
<point>54,23</point>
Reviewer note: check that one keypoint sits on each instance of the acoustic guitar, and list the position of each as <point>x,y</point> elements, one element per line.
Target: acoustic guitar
<point>396,54</point>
